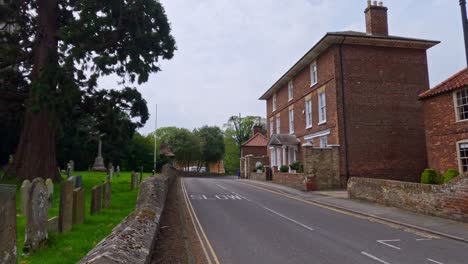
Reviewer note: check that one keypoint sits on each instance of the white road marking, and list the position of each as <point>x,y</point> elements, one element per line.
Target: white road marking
<point>289,219</point>
<point>374,258</point>
<point>434,261</point>
<point>384,242</point>
<point>423,239</point>
<point>245,198</point>
<point>221,187</point>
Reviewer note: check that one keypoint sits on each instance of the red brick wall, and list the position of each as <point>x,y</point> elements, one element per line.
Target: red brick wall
<point>256,151</point>
<point>302,89</point>
<point>385,124</point>
<point>443,132</point>
<point>293,180</point>
<point>449,200</point>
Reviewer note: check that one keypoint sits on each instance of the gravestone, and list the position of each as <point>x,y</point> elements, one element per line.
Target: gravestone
<point>25,189</point>
<point>66,206</point>
<point>72,166</point>
<point>36,234</point>
<point>137,180</point>
<point>52,224</point>
<point>78,182</point>
<point>50,192</point>
<point>107,194</point>
<point>96,199</point>
<point>118,170</point>
<point>72,179</point>
<point>8,251</point>
<point>132,180</point>
<point>78,206</point>
<point>111,171</point>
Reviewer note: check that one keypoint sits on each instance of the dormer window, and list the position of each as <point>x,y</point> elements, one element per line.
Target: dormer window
<point>290,90</point>
<point>313,74</point>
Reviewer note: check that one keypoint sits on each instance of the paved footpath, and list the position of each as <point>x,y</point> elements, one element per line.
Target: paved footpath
<point>241,223</point>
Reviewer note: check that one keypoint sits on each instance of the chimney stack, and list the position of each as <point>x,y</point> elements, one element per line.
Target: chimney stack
<point>257,129</point>
<point>376,18</point>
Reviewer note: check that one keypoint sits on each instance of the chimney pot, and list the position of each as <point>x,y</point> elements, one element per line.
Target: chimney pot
<point>369,3</point>
<point>375,3</point>
<point>380,3</point>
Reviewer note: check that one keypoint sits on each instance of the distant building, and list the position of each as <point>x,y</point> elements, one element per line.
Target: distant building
<point>446,120</point>
<point>256,145</point>
<point>358,92</point>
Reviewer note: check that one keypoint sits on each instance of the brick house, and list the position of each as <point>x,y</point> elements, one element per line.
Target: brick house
<point>358,92</point>
<point>446,119</point>
<point>256,145</point>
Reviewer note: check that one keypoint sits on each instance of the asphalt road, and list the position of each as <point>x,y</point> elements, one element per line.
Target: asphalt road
<point>245,224</point>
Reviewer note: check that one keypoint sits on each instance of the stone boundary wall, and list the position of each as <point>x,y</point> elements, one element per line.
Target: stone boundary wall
<point>134,238</point>
<point>258,176</point>
<point>293,180</point>
<point>448,200</point>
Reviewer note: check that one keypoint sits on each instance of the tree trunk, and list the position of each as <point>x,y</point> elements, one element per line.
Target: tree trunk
<point>36,153</point>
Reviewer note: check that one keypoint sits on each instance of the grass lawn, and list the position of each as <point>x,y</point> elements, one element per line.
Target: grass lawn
<point>72,246</point>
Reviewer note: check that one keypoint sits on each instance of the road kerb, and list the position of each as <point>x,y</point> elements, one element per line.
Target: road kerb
<point>339,208</point>
<point>197,225</point>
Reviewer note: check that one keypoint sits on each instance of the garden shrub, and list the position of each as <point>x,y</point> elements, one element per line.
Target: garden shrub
<point>429,176</point>
<point>296,166</point>
<point>449,175</point>
<point>284,169</point>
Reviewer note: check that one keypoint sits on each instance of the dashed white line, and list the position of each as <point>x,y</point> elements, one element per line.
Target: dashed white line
<point>434,261</point>
<point>374,258</point>
<point>423,239</point>
<point>384,242</point>
<point>289,219</point>
<point>242,196</point>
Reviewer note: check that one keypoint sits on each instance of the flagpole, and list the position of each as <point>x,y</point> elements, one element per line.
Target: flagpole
<point>155,137</point>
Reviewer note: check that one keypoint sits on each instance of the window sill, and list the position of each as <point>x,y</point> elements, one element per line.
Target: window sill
<point>308,127</point>
<point>290,99</point>
<point>313,84</point>
<point>462,121</point>
<point>322,123</point>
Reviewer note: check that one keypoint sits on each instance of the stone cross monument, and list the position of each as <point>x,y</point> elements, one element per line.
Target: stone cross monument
<point>99,161</point>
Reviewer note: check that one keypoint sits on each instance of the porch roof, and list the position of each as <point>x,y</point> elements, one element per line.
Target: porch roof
<point>283,140</point>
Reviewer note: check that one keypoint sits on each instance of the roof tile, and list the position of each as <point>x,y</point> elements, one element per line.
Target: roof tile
<point>457,81</point>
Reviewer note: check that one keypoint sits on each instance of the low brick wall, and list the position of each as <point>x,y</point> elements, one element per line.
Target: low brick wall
<point>293,180</point>
<point>258,176</point>
<point>197,174</point>
<point>448,200</point>
<point>134,238</point>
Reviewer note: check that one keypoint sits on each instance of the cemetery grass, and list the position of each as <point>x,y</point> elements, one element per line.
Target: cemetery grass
<point>74,245</point>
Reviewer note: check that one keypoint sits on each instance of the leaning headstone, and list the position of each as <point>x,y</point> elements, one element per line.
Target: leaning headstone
<point>25,189</point>
<point>8,251</point>
<point>78,206</point>
<point>96,199</point>
<point>78,182</point>
<point>69,171</point>
<point>107,194</point>
<point>50,192</point>
<point>118,171</point>
<point>66,206</point>
<point>36,234</point>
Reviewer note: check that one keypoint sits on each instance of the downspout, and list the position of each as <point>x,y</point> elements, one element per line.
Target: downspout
<point>465,25</point>
<point>345,130</point>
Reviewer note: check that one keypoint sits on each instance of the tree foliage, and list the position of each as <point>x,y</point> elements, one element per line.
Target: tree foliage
<point>211,143</point>
<point>52,53</point>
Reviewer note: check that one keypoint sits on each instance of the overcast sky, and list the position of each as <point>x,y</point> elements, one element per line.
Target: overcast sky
<point>231,51</point>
